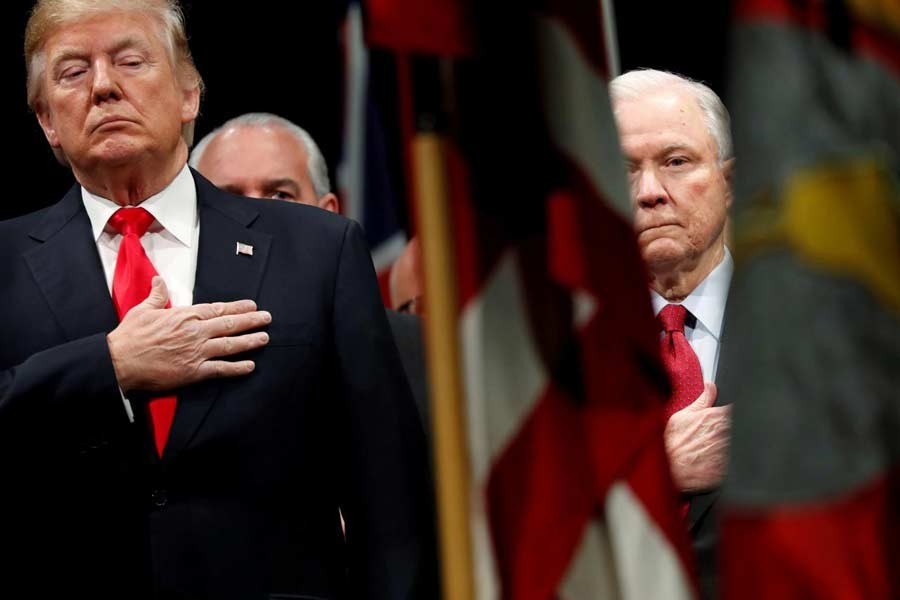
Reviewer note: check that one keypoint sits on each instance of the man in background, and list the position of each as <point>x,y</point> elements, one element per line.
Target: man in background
<point>262,155</point>
<point>406,281</point>
<point>677,145</point>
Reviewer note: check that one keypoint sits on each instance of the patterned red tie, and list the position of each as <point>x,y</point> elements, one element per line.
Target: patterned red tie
<point>131,285</point>
<point>679,359</point>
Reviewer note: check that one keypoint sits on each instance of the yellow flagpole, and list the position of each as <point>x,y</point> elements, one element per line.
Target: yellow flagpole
<point>445,376</point>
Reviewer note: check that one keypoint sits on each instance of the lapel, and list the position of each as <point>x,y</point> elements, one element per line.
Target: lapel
<point>223,275</point>
<point>701,503</point>
<point>68,271</point>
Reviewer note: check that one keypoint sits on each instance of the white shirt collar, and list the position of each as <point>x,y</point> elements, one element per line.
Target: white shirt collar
<point>707,301</point>
<point>174,208</point>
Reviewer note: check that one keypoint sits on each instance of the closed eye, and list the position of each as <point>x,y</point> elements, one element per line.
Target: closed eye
<point>72,73</point>
<point>131,61</point>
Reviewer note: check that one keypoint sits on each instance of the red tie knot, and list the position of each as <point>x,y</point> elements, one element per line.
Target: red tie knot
<point>131,221</point>
<point>671,318</point>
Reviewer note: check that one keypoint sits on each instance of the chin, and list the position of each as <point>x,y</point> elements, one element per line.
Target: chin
<point>117,154</point>
<point>662,253</point>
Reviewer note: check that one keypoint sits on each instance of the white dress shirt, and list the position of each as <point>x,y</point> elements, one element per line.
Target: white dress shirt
<point>707,304</point>
<point>170,242</point>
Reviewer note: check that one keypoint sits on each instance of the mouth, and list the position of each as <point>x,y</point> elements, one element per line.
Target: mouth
<point>111,121</point>
<point>655,226</point>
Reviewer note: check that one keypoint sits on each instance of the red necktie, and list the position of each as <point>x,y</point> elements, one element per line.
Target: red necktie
<point>679,359</point>
<point>131,285</point>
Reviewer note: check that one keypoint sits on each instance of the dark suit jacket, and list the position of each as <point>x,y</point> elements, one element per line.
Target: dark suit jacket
<point>244,502</point>
<point>407,330</point>
<point>703,518</point>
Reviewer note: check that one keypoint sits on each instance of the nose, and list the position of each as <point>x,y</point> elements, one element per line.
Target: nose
<point>104,86</point>
<point>648,190</point>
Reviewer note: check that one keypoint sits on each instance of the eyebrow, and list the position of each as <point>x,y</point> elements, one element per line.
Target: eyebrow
<point>283,182</point>
<point>675,148</point>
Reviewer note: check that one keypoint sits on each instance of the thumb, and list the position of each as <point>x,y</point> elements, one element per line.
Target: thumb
<point>706,399</point>
<point>159,294</point>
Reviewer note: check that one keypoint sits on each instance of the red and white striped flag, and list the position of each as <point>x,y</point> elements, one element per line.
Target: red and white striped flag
<point>532,266</point>
<point>571,481</point>
<point>571,495</point>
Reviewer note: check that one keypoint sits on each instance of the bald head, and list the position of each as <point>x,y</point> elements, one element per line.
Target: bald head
<point>263,158</point>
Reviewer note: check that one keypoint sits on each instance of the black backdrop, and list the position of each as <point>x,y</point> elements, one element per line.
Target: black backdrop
<point>266,57</point>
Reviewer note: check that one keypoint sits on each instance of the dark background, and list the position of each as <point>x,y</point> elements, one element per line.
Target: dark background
<point>288,62</point>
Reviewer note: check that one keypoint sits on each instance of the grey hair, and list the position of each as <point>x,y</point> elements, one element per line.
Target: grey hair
<point>634,84</point>
<point>315,162</point>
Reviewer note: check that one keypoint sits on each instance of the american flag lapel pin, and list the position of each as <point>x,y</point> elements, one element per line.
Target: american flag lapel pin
<point>245,249</point>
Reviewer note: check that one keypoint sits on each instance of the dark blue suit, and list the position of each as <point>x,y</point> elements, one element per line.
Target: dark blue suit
<point>244,502</point>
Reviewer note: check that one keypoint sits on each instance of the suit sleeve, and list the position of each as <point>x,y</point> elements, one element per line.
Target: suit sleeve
<point>407,332</point>
<point>73,383</point>
<point>388,504</point>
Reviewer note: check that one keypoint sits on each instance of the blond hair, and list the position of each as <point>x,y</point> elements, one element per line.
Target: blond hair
<point>49,15</point>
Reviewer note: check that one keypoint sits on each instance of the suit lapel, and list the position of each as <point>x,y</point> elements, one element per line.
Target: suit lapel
<point>67,269</point>
<point>701,503</point>
<point>223,275</point>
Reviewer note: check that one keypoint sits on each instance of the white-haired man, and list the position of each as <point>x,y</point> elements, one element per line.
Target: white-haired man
<point>160,436</point>
<point>262,155</point>
<point>677,145</point>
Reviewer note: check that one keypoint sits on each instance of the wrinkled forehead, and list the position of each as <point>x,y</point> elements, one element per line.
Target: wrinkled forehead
<point>260,147</point>
<point>666,109</point>
<point>105,30</point>
<point>670,116</point>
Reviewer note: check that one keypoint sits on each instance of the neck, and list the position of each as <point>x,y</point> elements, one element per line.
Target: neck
<point>132,183</point>
<point>676,283</point>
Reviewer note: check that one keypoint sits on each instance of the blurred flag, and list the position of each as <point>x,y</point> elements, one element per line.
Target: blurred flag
<point>372,175</point>
<point>812,499</point>
<point>532,269</point>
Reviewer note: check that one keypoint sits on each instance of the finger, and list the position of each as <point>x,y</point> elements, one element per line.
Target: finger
<point>706,399</point>
<point>222,368</point>
<point>711,391</point>
<point>159,294</point>
<point>219,309</point>
<point>719,413</point>
<point>226,346</point>
<point>229,325</point>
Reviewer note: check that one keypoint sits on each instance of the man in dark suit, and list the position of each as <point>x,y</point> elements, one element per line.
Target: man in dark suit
<point>677,145</point>
<point>192,384</point>
<point>261,155</point>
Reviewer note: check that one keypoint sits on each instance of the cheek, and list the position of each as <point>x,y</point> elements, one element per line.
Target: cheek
<point>707,216</point>
<point>68,125</point>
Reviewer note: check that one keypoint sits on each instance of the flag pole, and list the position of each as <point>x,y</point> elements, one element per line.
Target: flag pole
<point>445,377</point>
<point>610,40</point>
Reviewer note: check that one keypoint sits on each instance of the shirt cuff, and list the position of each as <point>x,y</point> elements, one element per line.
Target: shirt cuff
<point>127,404</point>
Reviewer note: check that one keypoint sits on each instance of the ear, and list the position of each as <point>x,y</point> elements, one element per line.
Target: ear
<point>728,170</point>
<point>728,174</point>
<point>190,106</point>
<point>46,123</point>
<point>329,202</point>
